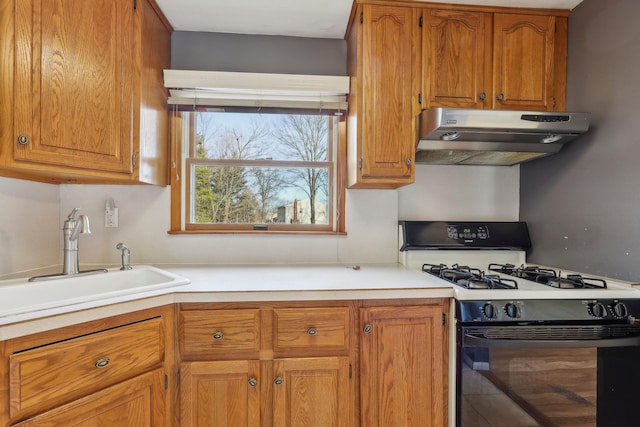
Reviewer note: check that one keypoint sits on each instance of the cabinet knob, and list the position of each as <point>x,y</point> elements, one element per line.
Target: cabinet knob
<point>482,96</point>
<point>312,331</point>
<point>217,335</point>
<point>102,362</point>
<point>409,162</point>
<point>23,139</point>
<point>500,96</point>
<point>253,382</point>
<point>278,380</point>
<point>367,328</point>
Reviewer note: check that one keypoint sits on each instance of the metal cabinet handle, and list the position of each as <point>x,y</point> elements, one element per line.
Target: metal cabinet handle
<point>312,331</point>
<point>23,139</point>
<point>217,335</point>
<point>102,362</point>
<point>278,380</point>
<point>482,96</point>
<point>253,382</point>
<point>500,96</point>
<point>367,328</point>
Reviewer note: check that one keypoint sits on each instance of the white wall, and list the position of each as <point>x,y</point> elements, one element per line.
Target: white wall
<point>32,215</point>
<point>29,217</point>
<point>462,193</point>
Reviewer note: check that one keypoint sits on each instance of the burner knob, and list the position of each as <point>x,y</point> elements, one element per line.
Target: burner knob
<point>597,310</point>
<point>512,310</point>
<point>489,311</point>
<point>619,310</point>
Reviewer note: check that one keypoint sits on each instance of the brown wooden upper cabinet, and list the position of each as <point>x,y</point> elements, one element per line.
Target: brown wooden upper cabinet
<point>383,49</point>
<point>406,57</point>
<point>88,102</point>
<point>475,59</point>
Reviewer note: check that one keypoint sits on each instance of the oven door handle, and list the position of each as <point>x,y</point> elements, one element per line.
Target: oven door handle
<point>473,341</point>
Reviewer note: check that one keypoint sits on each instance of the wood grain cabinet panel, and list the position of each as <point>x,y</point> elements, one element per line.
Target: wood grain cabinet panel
<point>311,392</point>
<point>46,376</point>
<point>312,329</point>
<point>219,333</point>
<point>524,60</point>
<point>476,59</point>
<point>138,402</point>
<point>403,357</point>
<point>88,98</point>
<point>286,366</point>
<point>220,394</point>
<point>383,61</point>
<point>457,51</point>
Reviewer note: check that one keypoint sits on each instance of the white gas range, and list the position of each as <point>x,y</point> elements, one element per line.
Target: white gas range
<point>513,320</point>
<point>487,260</point>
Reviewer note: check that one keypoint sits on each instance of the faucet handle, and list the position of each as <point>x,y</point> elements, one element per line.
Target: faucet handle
<point>72,215</point>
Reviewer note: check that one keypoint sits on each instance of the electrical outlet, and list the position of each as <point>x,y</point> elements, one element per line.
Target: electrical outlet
<point>111,217</point>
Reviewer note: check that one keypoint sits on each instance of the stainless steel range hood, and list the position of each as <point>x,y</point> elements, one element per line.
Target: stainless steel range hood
<point>494,137</point>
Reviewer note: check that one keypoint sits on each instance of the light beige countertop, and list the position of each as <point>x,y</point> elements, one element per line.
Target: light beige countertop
<point>239,283</point>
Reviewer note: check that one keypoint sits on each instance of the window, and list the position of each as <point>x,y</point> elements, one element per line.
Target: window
<point>246,169</point>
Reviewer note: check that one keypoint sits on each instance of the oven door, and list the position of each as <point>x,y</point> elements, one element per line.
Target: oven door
<point>567,375</point>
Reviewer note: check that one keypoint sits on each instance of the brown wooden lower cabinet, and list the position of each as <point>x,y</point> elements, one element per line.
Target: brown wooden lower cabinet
<point>264,364</point>
<point>108,372</point>
<point>139,402</point>
<point>302,392</point>
<point>403,356</point>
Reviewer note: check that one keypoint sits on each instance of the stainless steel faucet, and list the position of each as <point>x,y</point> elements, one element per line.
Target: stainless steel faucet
<point>71,230</point>
<point>73,227</point>
<point>126,256</point>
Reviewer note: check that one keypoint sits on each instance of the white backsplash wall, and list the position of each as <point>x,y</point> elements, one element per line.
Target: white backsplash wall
<point>461,193</point>
<point>29,225</point>
<point>144,221</point>
<point>31,216</point>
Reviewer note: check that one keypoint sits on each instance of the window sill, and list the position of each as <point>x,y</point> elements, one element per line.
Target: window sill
<point>260,232</point>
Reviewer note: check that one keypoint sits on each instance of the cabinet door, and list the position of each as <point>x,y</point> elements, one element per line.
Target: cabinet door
<point>311,392</point>
<point>74,89</point>
<point>523,65</point>
<point>138,402</point>
<point>403,374</point>
<point>389,75</point>
<point>220,394</point>
<point>456,59</point>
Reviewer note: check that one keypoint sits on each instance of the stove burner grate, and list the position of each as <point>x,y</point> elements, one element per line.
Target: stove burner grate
<point>469,278</point>
<point>549,277</point>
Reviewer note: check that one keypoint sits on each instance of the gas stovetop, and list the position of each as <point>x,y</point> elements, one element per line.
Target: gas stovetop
<point>493,278</point>
<point>486,261</point>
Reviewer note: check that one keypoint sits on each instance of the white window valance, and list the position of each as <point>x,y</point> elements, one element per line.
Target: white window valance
<point>221,88</point>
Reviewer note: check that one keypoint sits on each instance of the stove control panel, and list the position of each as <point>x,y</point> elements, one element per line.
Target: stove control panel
<point>547,310</point>
<point>467,232</point>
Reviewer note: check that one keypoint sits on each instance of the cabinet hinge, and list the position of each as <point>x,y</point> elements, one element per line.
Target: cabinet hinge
<point>133,160</point>
<point>420,98</point>
<point>135,4</point>
<point>444,319</point>
<point>420,22</point>
<point>361,17</point>
<point>166,382</point>
<point>554,103</point>
<point>360,163</point>
<point>178,378</point>
<point>350,370</point>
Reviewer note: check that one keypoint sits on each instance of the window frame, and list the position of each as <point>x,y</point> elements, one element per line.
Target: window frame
<point>180,176</point>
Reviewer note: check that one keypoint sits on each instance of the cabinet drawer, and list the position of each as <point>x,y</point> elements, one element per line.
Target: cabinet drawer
<point>311,329</point>
<point>219,332</point>
<point>55,373</point>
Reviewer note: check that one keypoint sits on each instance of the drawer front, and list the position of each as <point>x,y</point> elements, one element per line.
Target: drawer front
<point>52,374</point>
<point>219,332</point>
<point>311,329</point>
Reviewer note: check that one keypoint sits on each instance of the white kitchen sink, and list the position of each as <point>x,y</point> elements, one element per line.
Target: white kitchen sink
<point>19,296</point>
